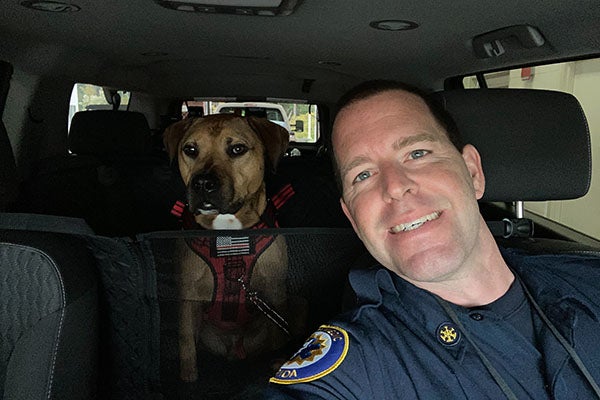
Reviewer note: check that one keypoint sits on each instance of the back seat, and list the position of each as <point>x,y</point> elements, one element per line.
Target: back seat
<point>316,202</point>
<point>111,177</point>
<point>129,329</point>
<point>49,310</point>
<point>49,324</point>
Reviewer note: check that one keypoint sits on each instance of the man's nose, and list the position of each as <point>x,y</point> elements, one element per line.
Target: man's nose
<point>396,182</point>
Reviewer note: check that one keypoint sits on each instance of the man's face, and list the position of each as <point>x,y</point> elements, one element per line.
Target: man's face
<point>410,195</point>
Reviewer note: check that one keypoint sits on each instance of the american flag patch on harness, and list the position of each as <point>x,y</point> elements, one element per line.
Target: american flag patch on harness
<point>232,246</point>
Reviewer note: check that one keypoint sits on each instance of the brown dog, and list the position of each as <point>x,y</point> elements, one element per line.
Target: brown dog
<point>231,305</point>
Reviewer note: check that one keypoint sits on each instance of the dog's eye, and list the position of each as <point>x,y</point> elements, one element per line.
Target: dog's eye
<point>237,150</point>
<point>190,150</point>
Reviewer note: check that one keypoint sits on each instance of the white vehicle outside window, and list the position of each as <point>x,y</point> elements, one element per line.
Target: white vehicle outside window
<point>273,112</point>
<point>300,119</point>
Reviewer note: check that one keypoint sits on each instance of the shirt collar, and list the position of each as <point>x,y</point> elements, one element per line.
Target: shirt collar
<point>378,286</point>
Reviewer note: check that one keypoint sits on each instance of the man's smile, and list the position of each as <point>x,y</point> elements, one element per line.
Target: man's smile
<point>409,226</point>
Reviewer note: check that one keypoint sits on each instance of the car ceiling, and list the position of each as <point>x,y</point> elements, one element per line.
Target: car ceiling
<point>139,45</point>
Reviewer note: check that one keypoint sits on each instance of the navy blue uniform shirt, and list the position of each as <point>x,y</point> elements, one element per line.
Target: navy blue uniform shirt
<point>401,344</point>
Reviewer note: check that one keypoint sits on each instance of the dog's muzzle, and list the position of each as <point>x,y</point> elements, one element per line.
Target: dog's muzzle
<point>205,183</point>
<point>207,195</point>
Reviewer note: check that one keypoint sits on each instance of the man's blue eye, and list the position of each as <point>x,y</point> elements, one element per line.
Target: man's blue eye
<point>362,176</point>
<point>418,154</point>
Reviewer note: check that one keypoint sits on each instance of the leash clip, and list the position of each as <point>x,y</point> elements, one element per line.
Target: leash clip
<point>268,311</point>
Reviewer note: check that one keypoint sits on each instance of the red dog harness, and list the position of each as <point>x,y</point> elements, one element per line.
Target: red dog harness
<point>232,260</point>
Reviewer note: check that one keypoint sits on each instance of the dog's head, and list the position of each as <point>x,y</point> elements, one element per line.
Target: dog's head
<point>222,160</point>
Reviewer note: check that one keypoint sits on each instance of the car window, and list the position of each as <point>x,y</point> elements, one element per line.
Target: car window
<point>271,114</point>
<point>274,115</point>
<point>85,97</point>
<point>308,116</point>
<point>300,119</point>
<point>582,79</point>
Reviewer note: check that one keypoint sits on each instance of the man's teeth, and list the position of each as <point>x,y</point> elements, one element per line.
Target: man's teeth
<point>409,226</point>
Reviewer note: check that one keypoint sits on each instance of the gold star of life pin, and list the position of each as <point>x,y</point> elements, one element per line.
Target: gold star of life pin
<point>448,334</point>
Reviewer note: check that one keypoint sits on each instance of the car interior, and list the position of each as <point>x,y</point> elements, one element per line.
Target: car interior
<point>89,261</point>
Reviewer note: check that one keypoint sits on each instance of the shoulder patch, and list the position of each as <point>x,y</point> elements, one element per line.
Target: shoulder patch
<point>322,353</point>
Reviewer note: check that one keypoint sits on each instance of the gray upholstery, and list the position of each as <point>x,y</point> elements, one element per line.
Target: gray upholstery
<point>109,133</point>
<point>49,318</point>
<point>45,223</point>
<point>534,144</point>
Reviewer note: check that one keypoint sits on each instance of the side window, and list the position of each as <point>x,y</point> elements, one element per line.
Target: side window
<point>581,79</point>
<point>304,119</point>
<point>85,97</point>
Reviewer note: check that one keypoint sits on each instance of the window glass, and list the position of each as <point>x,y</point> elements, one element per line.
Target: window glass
<point>274,115</point>
<point>582,79</point>
<point>85,97</point>
<point>305,119</point>
<point>300,119</point>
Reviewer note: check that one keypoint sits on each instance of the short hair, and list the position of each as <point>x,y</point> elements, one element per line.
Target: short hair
<point>371,88</point>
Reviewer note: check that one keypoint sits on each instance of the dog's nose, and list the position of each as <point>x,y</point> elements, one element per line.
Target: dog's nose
<point>206,183</point>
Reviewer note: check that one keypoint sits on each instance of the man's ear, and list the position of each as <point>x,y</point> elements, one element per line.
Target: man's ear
<point>347,213</point>
<point>473,161</point>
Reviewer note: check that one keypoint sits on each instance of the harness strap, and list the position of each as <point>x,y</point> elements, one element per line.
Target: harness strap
<point>232,259</point>
<point>178,209</point>
<point>267,219</point>
<point>282,196</point>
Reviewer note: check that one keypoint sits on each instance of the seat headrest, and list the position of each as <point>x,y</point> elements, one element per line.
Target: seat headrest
<point>109,133</point>
<point>534,144</point>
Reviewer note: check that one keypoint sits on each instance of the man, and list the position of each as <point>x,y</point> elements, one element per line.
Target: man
<point>449,315</point>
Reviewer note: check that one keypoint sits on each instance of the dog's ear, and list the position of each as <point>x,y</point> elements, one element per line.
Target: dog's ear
<point>274,137</point>
<point>173,135</point>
